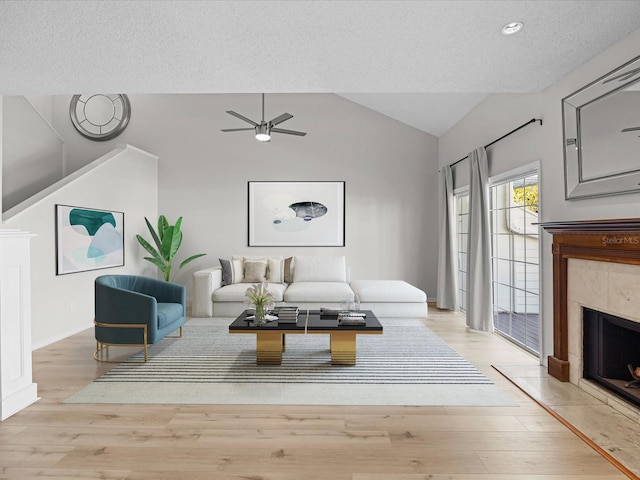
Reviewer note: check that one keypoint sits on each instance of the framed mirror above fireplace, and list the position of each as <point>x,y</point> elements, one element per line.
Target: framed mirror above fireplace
<point>601,127</point>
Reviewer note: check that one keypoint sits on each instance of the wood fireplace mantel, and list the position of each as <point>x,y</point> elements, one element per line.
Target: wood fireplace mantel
<point>615,241</point>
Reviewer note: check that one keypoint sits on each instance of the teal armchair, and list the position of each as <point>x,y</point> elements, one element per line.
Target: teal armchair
<point>133,310</point>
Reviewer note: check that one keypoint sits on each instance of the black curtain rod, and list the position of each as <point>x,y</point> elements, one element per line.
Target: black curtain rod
<point>533,120</point>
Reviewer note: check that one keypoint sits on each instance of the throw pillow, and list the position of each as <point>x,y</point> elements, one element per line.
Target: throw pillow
<point>275,272</point>
<point>287,274</point>
<point>255,272</point>
<point>253,258</point>
<point>238,270</point>
<point>227,272</point>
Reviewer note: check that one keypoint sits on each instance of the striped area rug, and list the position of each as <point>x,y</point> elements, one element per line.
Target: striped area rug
<point>407,364</point>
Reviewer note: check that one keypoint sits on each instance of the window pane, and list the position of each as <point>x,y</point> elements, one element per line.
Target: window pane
<point>462,223</point>
<point>515,252</point>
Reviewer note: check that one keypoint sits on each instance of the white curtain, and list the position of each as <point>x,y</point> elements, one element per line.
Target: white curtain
<point>479,301</point>
<point>447,297</point>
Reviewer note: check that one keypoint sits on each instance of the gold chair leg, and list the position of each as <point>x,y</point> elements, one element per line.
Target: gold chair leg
<point>104,347</point>
<point>175,336</point>
<point>101,350</point>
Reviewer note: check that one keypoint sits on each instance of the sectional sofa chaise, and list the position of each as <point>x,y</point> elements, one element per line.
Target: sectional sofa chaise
<point>309,282</point>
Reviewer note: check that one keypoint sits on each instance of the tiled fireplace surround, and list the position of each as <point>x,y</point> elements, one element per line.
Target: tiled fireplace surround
<point>596,264</point>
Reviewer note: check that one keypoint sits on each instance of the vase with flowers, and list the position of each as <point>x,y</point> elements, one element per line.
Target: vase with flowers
<point>261,299</point>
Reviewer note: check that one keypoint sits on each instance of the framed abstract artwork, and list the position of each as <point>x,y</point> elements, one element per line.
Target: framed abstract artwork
<point>287,214</point>
<point>88,239</point>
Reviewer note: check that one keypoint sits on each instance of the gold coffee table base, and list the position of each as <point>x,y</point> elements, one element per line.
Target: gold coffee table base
<point>343,348</point>
<point>269,348</point>
<point>270,345</point>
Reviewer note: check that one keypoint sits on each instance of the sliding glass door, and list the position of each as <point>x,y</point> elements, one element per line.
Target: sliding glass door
<point>515,257</point>
<point>515,260</point>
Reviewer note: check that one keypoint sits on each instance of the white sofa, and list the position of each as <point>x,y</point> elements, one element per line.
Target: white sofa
<point>309,282</point>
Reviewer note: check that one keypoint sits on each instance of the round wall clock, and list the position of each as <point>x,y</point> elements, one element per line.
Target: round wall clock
<point>100,117</point>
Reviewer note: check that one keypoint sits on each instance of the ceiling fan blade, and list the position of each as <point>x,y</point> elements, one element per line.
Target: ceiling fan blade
<point>281,118</point>
<point>289,132</point>
<point>241,117</point>
<point>236,129</point>
<point>631,129</point>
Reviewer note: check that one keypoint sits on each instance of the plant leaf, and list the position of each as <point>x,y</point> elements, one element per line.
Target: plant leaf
<point>170,244</point>
<point>191,258</point>
<point>177,240</point>
<point>177,233</point>
<point>166,244</point>
<point>163,225</point>
<point>157,262</point>
<point>154,235</point>
<point>148,247</point>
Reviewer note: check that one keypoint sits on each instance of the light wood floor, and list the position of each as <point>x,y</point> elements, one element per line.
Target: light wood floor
<point>55,440</point>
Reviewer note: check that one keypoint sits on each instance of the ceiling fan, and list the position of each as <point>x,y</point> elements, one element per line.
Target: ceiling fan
<point>264,129</point>
<point>631,129</point>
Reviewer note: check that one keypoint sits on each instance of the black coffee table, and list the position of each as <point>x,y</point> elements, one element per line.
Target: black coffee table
<point>270,337</point>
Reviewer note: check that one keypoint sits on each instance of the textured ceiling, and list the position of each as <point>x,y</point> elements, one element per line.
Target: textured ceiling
<point>426,63</point>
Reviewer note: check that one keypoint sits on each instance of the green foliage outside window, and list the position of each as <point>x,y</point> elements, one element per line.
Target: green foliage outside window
<point>527,195</point>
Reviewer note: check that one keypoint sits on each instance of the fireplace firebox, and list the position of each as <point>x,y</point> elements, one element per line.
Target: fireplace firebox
<point>611,351</point>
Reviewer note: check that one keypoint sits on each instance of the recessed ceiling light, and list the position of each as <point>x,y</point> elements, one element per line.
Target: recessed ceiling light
<point>511,28</point>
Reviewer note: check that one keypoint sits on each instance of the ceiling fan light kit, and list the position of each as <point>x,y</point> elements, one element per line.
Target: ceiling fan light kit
<point>264,129</point>
<point>262,133</point>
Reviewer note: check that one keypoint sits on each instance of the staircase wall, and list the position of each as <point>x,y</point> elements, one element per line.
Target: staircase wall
<point>126,180</point>
<point>33,151</point>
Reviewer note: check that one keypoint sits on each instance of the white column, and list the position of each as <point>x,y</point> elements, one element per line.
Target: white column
<point>17,390</point>
<point>1,149</point>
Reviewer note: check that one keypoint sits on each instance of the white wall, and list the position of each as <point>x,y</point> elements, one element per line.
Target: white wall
<point>43,104</point>
<point>33,155</point>
<point>390,171</point>
<point>63,305</point>
<point>1,139</point>
<point>499,114</point>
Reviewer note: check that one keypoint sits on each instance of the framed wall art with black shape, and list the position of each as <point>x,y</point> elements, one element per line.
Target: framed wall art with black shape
<point>285,214</point>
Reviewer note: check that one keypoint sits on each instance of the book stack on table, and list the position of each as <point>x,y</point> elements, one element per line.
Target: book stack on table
<point>352,318</point>
<point>287,314</point>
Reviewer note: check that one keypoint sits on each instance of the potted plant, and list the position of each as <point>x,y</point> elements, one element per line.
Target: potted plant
<point>167,241</point>
<point>261,299</point>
